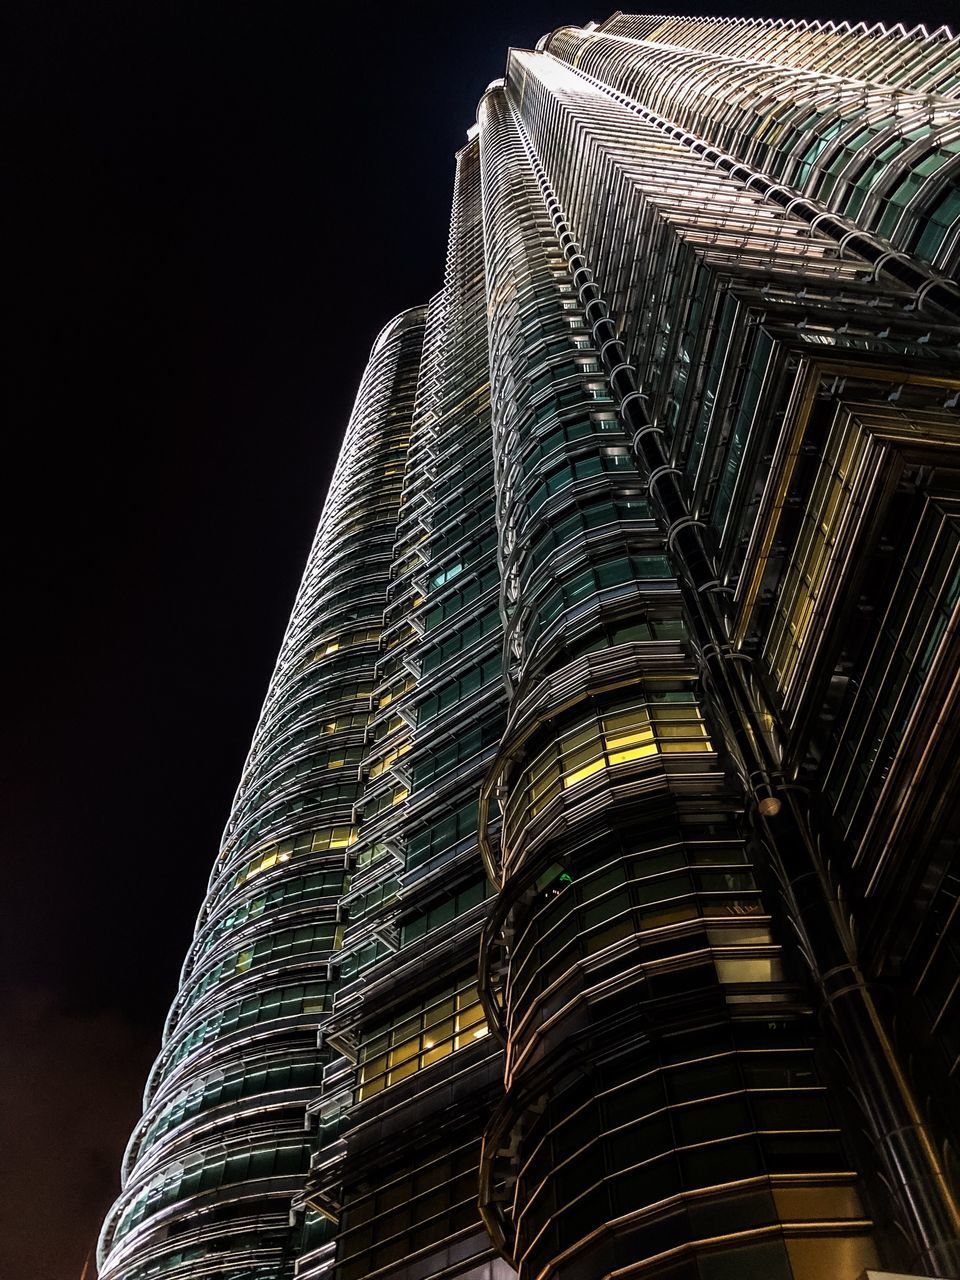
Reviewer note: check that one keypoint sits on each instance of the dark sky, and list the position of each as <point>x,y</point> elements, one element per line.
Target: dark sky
<point>215,207</point>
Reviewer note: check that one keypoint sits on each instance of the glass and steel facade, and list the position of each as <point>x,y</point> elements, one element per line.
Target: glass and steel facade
<point>589,902</point>
<point>221,1151</point>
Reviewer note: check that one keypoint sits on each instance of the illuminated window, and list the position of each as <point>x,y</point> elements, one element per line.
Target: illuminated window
<point>311,842</point>
<point>395,690</point>
<point>446,575</point>
<point>422,1036</point>
<point>664,723</point>
<point>749,969</point>
<point>389,759</point>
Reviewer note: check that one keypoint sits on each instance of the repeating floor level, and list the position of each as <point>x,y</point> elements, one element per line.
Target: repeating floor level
<point>588,907</point>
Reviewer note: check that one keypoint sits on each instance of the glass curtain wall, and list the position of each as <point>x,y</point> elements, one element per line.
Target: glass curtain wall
<point>589,902</point>
<point>222,1149</point>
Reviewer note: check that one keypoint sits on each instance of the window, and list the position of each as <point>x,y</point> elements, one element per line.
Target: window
<point>815,550</point>
<point>312,842</point>
<point>209,1171</point>
<point>657,896</point>
<point>289,892</point>
<point>420,1036</point>
<point>386,761</point>
<point>285,1002</point>
<point>463,687</point>
<point>459,599</point>
<point>368,635</point>
<point>398,1218</point>
<point>309,942</point>
<point>442,835</point>
<point>463,638</point>
<point>749,398</point>
<point>258,1074</point>
<point>665,722</point>
<point>445,575</point>
<point>447,909</point>
<point>613,571</point>
<point>936,221</point>
<point>469,743</point>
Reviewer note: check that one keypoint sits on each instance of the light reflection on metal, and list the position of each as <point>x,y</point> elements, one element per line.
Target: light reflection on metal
<point>637,587</point>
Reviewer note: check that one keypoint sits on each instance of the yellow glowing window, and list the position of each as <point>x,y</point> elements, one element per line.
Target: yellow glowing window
<point>818,1202</point>
<point>389,759</point>
<point>244,961</point>
<point>635,747</point>
<point>749,969</point>
<point>585,771</point>
<point>742,935</point>
<point>667,723</point>
<point>433,1032</point>
<point>679,728</point>
<point>340,837</point>
<point>311,842</point>
<point>629,736</point>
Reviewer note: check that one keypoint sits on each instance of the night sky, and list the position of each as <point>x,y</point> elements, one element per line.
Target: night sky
<point>215,208</point>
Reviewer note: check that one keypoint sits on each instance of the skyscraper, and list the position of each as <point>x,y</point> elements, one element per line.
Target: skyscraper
<point>589,902</point>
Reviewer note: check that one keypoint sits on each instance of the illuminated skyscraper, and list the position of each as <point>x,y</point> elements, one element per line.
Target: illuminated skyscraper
<point>221,1151</point>
<point>589,904</point>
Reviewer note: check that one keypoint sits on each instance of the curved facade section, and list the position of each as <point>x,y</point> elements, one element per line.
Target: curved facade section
<point>630,931</point>
<point>221,1152</point>
<point>916,59</point>
<point>600,823</point>
<point>696,270</point>
<point>421,1070</point>
<point>865,126</point>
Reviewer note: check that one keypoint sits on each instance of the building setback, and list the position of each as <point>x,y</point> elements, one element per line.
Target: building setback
<point>589,902</point>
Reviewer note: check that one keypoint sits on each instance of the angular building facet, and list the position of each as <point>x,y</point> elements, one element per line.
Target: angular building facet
<point>589,903</point>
